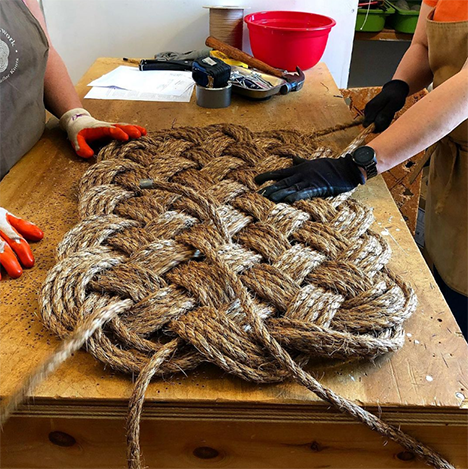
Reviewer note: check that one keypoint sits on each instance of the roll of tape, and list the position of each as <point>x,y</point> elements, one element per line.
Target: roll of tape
<point>214,97</point>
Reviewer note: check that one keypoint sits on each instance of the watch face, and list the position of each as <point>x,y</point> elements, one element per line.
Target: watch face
<point>364,156</point>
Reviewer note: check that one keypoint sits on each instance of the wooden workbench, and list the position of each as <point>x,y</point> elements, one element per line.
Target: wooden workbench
<point>209,419</point>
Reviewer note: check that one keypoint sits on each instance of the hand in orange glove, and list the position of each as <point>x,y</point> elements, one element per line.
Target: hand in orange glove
<point>82,129</point>
<point>12,230</point>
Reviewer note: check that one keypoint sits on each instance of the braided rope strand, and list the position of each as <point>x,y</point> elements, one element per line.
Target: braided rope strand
<point>199,267</point>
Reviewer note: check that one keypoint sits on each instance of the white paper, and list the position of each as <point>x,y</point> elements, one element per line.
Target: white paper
<point>99,92</point>
<point>161,82</point>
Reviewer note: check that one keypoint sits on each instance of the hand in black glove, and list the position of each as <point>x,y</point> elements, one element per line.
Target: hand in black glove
<point>322,177</point>
<point>382,109</point>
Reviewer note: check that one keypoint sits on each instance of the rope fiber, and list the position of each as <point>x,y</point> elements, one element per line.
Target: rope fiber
<point>199,267</point>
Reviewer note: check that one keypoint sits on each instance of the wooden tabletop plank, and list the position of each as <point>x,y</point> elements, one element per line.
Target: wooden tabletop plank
<point>428,374</point>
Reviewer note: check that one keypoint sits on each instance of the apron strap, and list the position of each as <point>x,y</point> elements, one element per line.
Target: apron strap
<point>421,163</point>
<point>455,147</point>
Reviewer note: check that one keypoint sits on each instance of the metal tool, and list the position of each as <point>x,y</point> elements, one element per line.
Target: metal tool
<point>158,64</point>
<point>254,84</point>
<point>293,81</point>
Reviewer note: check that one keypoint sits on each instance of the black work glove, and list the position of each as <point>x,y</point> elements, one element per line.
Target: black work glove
<point>382,109</point>
<point>322,177</point>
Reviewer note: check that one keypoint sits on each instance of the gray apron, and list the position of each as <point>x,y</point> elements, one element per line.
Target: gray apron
<point>23,58</point>
<point>447,203</point>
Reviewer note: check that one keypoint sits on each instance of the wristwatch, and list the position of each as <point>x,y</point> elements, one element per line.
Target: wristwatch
<point>365,158</point>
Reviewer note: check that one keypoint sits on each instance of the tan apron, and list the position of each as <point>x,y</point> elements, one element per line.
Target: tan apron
<point>23,59</point>
<point>447,203</point>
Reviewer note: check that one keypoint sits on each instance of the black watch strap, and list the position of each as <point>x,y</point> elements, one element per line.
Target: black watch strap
<point>371,170</point>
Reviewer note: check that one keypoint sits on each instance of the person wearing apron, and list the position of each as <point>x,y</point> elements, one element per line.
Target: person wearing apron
<point>438,54</point>
<point>33,77</point>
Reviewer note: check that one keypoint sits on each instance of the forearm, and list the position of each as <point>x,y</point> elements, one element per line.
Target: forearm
<point>414,68</point>
<point>425,123</point>
<point>59,93</point>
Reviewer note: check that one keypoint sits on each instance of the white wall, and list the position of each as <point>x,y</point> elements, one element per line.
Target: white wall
<point>83,30</point>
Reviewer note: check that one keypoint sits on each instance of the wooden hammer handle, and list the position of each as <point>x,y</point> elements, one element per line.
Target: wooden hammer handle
<point>236,54</point>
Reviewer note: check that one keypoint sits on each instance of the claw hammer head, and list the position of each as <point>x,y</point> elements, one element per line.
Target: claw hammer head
<point>294,81</point>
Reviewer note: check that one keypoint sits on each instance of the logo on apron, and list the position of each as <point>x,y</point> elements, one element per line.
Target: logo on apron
<point>9,58</point>
<point>4,53</point>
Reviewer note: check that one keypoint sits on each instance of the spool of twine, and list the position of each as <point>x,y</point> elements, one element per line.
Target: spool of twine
<point>226,24</point>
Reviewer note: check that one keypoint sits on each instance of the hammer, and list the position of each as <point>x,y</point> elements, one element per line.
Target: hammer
<point>294,81</point>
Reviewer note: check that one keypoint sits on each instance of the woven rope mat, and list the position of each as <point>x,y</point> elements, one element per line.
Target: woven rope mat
<point>202,268</point>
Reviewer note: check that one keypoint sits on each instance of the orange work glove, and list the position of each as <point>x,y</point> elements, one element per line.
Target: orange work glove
<point>82,128</point>
<point>12,230</point>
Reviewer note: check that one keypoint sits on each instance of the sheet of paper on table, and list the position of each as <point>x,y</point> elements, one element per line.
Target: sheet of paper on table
<point>130,95</point>
<point>129,83</point>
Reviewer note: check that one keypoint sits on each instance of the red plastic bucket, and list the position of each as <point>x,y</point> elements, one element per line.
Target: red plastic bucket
<point>286,39</point>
